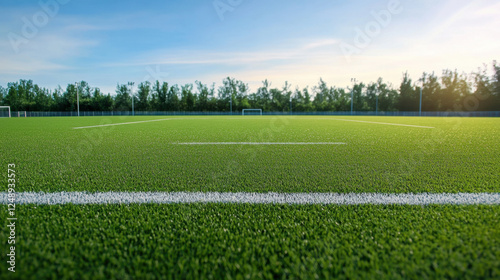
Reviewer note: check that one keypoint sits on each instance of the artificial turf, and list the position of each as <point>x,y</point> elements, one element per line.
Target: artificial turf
<point>457,155</point>
<point>243,241</point>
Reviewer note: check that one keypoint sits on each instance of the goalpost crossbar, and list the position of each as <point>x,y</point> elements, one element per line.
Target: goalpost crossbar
<point>252,110</point>
<point>6,107</point>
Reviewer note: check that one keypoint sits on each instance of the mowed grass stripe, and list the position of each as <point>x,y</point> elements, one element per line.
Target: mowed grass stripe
<point>252,198</point>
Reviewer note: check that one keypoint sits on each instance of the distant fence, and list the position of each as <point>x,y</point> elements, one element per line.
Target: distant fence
<point>143,113</point>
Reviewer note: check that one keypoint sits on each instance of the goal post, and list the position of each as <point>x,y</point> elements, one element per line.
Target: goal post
<point>1,111</point>
<point>252,112</point>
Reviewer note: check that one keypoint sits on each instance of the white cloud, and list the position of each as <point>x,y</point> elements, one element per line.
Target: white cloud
<point>322,43</point>
<point>42,53</point>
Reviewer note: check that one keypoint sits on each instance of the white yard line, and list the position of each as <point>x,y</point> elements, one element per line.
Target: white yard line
<point>112,124</point>
<point>260,143</point>
<point>397,124</point>
<point>252,198</point>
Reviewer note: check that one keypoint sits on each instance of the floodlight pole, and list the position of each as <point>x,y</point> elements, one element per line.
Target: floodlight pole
<point>131,84</point>
<point>77,99</point>
<point>420,107</point>
<point>290,104</point>
<point>352,96</point>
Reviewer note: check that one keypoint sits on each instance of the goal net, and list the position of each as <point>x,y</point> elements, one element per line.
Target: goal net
<point>5,112</point>
<point>247,112</point>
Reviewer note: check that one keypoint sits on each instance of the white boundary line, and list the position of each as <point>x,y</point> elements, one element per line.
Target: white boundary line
<point>260,143</point>
<point>157,120</point>
<point>396,124</point>
<point>252,198</point>
<point>113,124</point>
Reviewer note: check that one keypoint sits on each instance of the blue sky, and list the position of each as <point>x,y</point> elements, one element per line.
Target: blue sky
<point>110,42</point>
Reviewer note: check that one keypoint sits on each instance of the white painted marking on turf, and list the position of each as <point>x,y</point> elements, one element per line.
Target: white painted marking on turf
<point>260,143</point>
<point>112,124</point>
<point>253,198</point>
<point>397,124</point>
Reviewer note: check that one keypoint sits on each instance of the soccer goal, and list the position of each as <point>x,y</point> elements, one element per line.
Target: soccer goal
<point>5,111</point>
<point>247,112</point>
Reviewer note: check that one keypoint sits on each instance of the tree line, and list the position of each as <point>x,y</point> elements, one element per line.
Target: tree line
<point>452,91</point>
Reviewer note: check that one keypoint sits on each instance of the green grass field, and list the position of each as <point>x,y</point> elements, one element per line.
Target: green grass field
<point>458,155</point>
<point>248,241</point>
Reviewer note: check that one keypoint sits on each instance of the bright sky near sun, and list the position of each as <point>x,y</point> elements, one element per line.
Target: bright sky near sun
<point>56,42</point>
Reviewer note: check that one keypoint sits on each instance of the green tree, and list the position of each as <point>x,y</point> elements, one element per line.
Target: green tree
<point>43,100</point>
<point>68,101</point>
<point>464,92</point>
<point>342,100</point>
<point>12,98</point>
<point>143,96</point>
<point>172,97</point>
<point>123,101</point>
<point>431,92</point>
<point>188,99</point>
<point>387,97</point>
<point>297,100</point>
<point>496,87</point>
<point>203,96</point>
<point>408,100</point>
<point>308,106</point>
<point>371,97</point>
<point>242,101</point>
<point>227,93</point>
<point>359,97</point>
<point>161,91</point>
<point>486,93</point>
<point>450,93</point>
<point>321,94</point>
<point>277,100</point>
<point>20,95</point>
<point>101,102</point>
<point>262,97</point>
<point>2,94</point>
<point>57,96</point>
<point>85,96</point>
<point>212,99</point>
